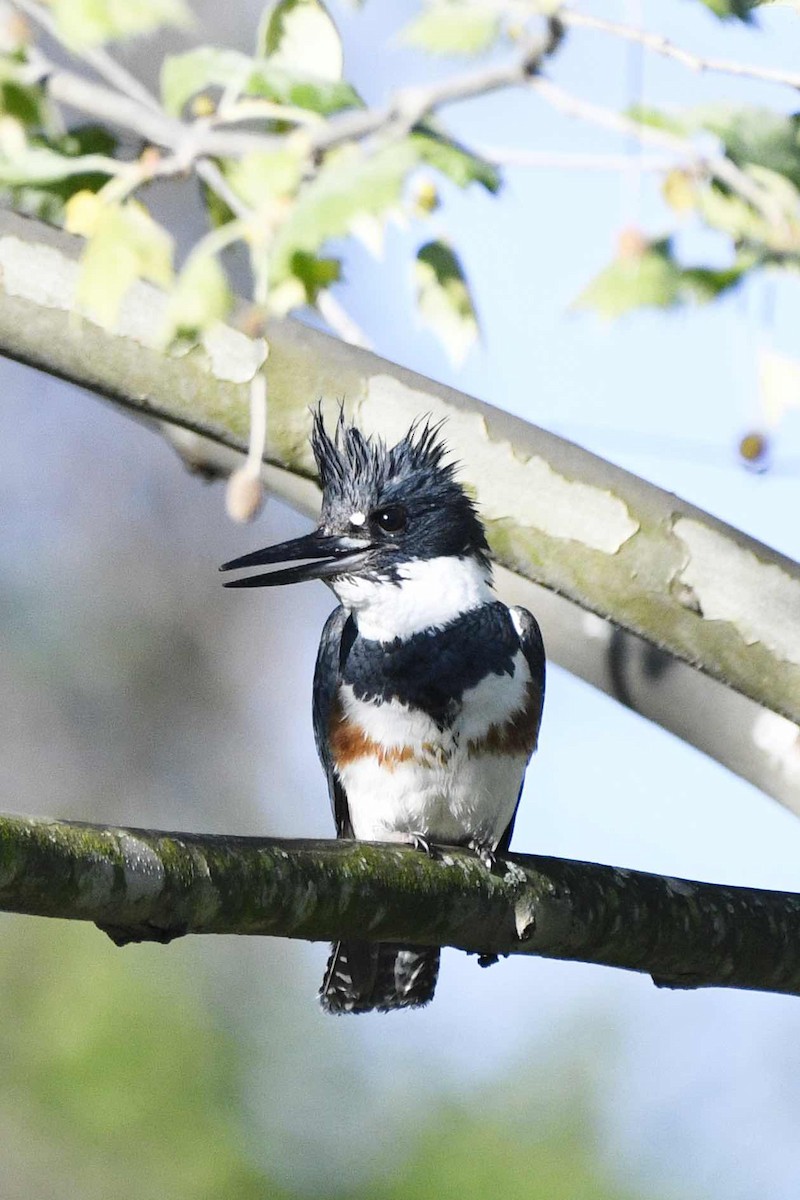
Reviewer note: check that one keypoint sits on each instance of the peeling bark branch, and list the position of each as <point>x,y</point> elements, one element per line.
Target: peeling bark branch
<point>683,590</point>
<point>147,885</point>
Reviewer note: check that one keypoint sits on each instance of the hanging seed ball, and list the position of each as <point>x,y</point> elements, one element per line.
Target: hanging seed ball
<point>754,448</point>
<point>244,496</point>
<point>632,243</point>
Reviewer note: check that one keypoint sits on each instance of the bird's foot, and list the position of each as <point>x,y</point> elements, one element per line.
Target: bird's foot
<point>420,842</point>
<point>486,854</point>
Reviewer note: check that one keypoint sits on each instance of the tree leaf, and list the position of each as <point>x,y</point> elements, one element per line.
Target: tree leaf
<point>443,299</point>
<point>63,166</point>
<point>91,22</point>
<point>301,37</point>
<point>40,164</point>
<point>453,160</point>
<point>753,135</point>
<point>124,244</point>
<point>740,10</point>
<point>650,277</point>
<point>347,185</point>
<point>200,297</point>
<point>321,96</point>
<point>264,177</point>
<point>309,275</point>
<point>351,186</point>
<point>749,134</point>
<point>454,28</point>
<point>183,75</point>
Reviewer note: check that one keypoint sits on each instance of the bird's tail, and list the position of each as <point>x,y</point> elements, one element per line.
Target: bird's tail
<point>378,977</point>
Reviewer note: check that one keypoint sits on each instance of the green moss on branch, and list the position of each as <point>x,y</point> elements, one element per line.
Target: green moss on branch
<point>150,885</point>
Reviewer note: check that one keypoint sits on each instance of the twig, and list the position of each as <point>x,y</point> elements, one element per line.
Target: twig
<point>512,156</point>
<point>658,44</point>
<point>188,141</point>
<point>716,165</point>
<point>211,175</point>
<point>341,322</point>
<point>97,58</point>
<point>410,105</point>
<point>146,885</point>
<point>256,109</point>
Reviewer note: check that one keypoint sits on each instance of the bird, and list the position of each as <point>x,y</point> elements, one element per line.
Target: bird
<point>428,690</point>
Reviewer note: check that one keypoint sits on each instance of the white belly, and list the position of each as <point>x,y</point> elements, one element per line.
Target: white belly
<point>461,801</point>
<point>437,783</point>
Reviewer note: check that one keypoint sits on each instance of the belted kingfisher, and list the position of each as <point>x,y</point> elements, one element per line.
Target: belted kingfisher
<point>428,690</point>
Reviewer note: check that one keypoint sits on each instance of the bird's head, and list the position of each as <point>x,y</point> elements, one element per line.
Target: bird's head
<point>384,509</point>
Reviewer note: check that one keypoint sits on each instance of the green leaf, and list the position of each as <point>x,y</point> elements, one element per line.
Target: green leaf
<point>260,177</point>
<point>444,300</point>
<point>321,96</point>
<point>52,170</point>
<point>200,297</point>
<point>25,102</point>
<point>347,186</point>
<point>301,37</point>
<point>651,278</point>
<point>656,118</point>
<point>750,135</point>
<point>124,244</point>
<point>82,23</point>
<point>183,75</point>
<point>453,160</point>
<point>753,135</point>
<point>454,28</point>
<point>740,10</point>
<point>350,186</point>
<point>309,275</point>
<point>39,164</point>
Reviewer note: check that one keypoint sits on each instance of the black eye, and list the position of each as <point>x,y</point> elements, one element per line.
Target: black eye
<point>392,519</point>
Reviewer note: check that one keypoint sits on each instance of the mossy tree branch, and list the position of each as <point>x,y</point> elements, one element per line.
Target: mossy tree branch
<point>147,885</point>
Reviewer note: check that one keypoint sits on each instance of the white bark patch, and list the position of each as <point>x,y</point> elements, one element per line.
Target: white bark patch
<point>146,879</point>
<point>45,276</point>
<point>527,490</point>
<point>731,584</point>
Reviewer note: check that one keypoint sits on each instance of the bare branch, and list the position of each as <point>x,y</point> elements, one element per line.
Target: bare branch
<point>659,44</point>
<point>518,156</point>
<point>96,57</point>
<point>147,885</point>
<point>410,105</point>
<point>716,165</point>
<point>340,321</point>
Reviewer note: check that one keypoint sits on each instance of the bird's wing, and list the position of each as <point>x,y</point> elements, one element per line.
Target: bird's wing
<point>532,646</point>
<point>337,637</point>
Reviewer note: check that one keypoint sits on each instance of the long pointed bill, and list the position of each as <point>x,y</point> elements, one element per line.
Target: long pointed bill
<point>332,555</point>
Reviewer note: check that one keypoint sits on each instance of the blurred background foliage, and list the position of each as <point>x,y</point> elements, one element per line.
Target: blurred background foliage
<point>203,1069</point>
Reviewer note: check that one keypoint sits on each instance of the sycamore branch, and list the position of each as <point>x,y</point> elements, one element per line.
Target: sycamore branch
<point>596,537</point>
<point>147,885</point>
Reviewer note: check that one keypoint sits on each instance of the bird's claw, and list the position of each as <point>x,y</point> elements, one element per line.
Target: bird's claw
<point>419,842</point>
<point>486,854</point>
